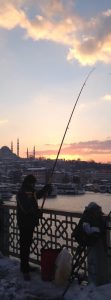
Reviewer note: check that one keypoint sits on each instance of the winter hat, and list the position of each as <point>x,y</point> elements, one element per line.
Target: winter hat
<point>28,180</point>
<point>93,205</point>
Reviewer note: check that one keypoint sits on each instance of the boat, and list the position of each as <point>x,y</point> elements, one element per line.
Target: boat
<point>100,188</point>
<point>109,189</point>
<point>89,187</point>
<point>69,189</point>
<point>53,192</point>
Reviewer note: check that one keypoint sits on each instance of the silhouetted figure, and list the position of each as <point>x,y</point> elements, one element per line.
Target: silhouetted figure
<point>90,233</point>
<point>28,215</point>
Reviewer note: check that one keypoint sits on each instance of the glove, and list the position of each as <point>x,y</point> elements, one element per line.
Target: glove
<point>47,189</point>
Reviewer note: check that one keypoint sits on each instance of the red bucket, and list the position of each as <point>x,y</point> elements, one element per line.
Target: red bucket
<point>48,258</point>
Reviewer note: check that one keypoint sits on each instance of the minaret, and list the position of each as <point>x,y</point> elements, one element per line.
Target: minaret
<point>34,152</point>
<point>12,146</point>
<point>17,147</point>
<point>27,153</point>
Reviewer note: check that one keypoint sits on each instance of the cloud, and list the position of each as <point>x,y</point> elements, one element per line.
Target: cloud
<point>94,147</point>
<point>95,44</point>
<point>88,40</point>
<point>2,122</point>
<point>10,17</point>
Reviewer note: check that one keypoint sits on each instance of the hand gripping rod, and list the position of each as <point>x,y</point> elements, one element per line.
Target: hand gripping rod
<point>50,178</point>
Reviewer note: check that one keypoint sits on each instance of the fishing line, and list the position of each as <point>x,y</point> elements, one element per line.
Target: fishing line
<point>75,104</point>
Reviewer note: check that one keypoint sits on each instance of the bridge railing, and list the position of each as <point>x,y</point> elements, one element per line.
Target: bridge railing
<point>54,231</point>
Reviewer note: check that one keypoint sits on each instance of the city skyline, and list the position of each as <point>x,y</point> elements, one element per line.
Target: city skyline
<point>47,48</point>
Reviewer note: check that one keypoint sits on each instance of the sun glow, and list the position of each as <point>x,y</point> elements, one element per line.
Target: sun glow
<point>62,156</point>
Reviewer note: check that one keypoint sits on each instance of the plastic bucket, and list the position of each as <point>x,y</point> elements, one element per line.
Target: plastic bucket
<point>48,258</point>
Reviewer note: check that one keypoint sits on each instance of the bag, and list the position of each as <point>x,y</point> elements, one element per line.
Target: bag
<point>48,258</point>
<point>90,227</point>
<point>63,267</point>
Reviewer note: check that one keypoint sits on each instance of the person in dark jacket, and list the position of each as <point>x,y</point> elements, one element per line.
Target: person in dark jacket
<point>28,214</point>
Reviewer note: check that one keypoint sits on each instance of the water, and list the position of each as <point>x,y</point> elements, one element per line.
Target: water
<point>77,203</point>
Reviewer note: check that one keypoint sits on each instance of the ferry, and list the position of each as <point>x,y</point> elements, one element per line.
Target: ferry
<point>69,189</point>
<point>54,190</point>
<point>102,187</point>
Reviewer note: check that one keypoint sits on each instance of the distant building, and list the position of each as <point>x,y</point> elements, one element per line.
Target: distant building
<point>39,173</point>
<point>6,154</point>
<point>17,147</point>
<point>12,147</point>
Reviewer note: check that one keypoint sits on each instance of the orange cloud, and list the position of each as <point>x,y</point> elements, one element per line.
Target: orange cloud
<point>87,148</point>
<point>10,17</point>
<point>88,40</point>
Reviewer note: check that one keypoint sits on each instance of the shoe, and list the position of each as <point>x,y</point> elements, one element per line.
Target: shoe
<point>26,276</point>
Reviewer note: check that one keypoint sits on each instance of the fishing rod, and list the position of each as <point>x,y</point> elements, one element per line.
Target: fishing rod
<point>55,163</point>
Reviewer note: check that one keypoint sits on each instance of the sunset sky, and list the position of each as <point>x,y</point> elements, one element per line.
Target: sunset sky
<point>47,48</point>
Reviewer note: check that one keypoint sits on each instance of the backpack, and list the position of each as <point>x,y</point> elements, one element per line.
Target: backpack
<point>91,226</point>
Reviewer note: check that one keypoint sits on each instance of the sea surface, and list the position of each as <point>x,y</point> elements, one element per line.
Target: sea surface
<point>77,203</point>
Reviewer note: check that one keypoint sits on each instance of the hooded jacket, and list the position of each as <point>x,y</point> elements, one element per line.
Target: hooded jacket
<point>28,212</point>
